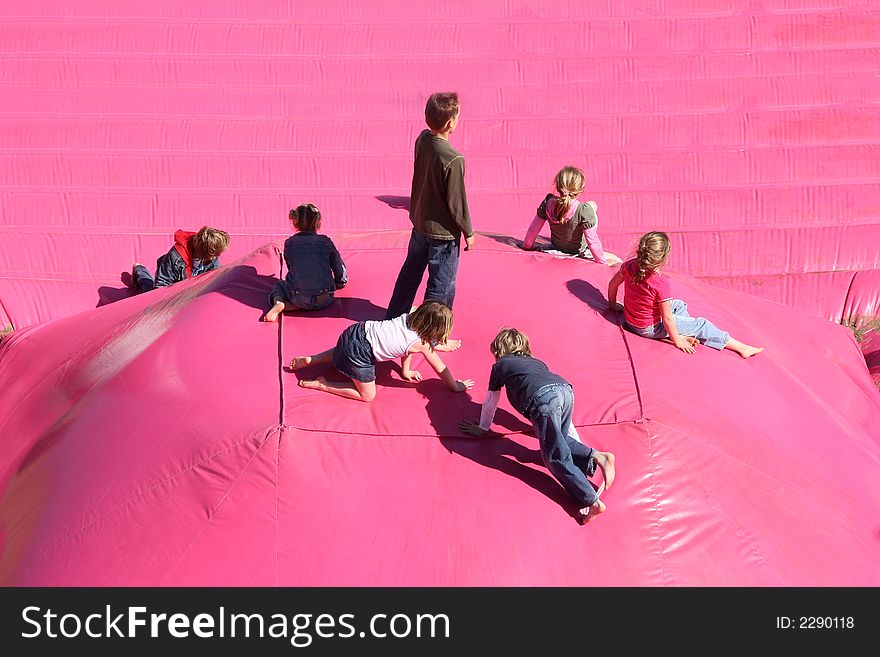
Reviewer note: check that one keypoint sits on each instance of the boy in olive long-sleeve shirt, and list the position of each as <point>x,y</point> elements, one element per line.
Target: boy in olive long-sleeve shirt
<point>438,211</point>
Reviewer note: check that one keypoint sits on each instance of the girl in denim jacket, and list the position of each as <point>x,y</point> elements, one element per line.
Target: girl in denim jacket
<point>314,267</point>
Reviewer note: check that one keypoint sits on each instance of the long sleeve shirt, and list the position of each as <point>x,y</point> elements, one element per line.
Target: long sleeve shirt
<point>438,201</point>
<point>576,233</point>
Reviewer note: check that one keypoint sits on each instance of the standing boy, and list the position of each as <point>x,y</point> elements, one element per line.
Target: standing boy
<point>438,211</point>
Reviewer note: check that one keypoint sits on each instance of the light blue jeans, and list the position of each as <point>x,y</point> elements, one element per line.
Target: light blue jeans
<point>568,459</point>
<point>697,327</point>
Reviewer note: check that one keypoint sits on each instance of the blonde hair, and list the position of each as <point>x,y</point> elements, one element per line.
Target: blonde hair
<point>209,243</point>
<point>432,321</point>
<point>305,217</point>
<point>510,341</point>
<point>651,254</point>
<point>569,184</point>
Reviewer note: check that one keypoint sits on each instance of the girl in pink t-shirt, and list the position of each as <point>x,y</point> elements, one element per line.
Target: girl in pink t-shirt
<point>650,310</point>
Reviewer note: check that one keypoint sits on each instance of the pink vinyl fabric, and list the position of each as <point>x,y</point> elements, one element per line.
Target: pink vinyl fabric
<point>746,129</point>
<point>165,428</point>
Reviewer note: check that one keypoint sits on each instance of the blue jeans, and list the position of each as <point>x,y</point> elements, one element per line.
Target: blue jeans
<point>280,292</point>
<point>569,460</point>
<point>441,259</point>
<point>696,327</point>
<point>142,279</point>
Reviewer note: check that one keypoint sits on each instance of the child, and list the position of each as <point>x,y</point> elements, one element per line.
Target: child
<point>573,225</point>
<point>438,211</point>
<point>546,399</point>
<point>649,309</point>
<point>191,255</point>
<point>314,267</point>
<point>423,331</point>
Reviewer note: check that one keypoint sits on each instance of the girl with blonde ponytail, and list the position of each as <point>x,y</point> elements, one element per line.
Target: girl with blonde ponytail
<point>573,224</point>
<point>650,310</point>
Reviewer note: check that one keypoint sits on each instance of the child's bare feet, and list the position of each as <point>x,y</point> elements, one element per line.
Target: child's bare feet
<point>314,384</point>
<point>749,351</point>
<point>299,362</point>
<point>273,312</point>
<point>605,461</point>
<point>589,513</point>
<point>743,349</point>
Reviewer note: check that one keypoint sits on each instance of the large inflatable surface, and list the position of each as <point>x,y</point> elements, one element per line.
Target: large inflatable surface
<point>157,439</point>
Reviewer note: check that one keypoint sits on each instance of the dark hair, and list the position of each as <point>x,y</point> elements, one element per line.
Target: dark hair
<point>440,109</point>
<point>306,217</point>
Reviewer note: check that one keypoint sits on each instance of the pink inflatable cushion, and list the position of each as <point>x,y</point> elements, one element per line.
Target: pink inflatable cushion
<point>158,440</point>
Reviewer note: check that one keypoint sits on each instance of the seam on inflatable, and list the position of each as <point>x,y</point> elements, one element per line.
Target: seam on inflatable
<point>289,427</point>
<point>648,425</point>
<point>280,333</point>
<point>281,432</point>
<point>846,305</point>
<point>632,367</point>
<point>5,314</point>
<point>207,520</point>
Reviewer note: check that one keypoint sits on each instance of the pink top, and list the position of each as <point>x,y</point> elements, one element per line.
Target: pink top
<point>641,302</point>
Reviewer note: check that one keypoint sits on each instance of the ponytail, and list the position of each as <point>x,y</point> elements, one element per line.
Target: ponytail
<point>651,254</point>
<point>569,184</point>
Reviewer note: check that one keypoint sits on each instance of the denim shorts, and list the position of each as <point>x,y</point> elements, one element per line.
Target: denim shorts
<point>353,355</point>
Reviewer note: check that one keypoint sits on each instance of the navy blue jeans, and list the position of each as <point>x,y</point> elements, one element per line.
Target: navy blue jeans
<point>569,460</point>
<point>441,259</point>
<point>142,279</point>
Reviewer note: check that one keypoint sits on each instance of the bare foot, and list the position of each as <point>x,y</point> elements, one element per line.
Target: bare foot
<point>313,384</point>
<point>273,312</point>
<point>605,461</point>
<point>747,351</point>
<point>589,513</point>
<point>299,362</point>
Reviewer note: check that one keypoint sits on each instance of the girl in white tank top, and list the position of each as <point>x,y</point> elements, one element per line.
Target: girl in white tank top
<point>423,331</point>
<point>390,338</point>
